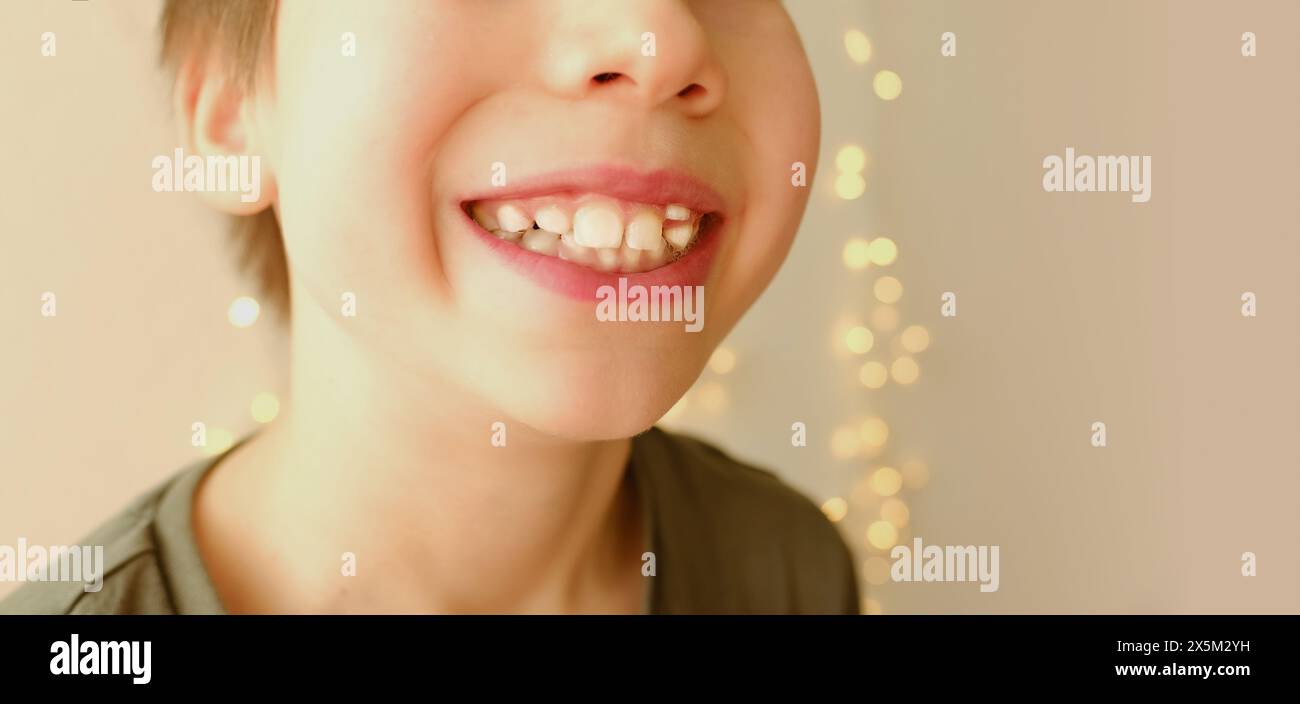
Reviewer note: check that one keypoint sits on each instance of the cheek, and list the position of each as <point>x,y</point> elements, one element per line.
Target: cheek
<point>354,138</point>
<point>782,128</point>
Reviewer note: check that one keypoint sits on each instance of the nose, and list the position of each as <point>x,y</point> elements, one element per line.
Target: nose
<point>648,53</point>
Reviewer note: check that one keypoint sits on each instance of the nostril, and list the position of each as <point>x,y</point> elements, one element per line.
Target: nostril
<point>691,91</point>
<point>606,77</point>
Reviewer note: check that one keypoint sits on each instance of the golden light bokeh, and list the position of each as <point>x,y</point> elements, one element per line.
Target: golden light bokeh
<point>859,340</point>
<point>858,46</point>
<point>888,289</point>
<point>850,186</point>
<point>218,441</point>
<point>904,370</point>
<point>886,481</point>
<point>874,431</point>
<point>712,397</point>
<point>884,318</point>
<point>871,607</point>
<point>873,375</point>
<point>857,254</point>
<point>882,251</point>
<point>887,84</point>
<point>915,474</point>
<point>895,511</point>
<point>845,443</point>
<point>722,361</point>
<point>835,509</point>
<point>243,311</point>
<point>882,535</point>
<point>915,339</point>
<point>264,407</point>
<point>851,159</point>
<point>875,570</point>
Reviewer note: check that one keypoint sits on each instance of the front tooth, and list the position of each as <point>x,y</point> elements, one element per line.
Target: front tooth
<point>675,211</point>
<point>554,218</point>
<point>542,242</point>
<point>679,235</point>
<point>512,218</point>
<point>507,235</point>
<point>646,231</point>
<point>598,224</point>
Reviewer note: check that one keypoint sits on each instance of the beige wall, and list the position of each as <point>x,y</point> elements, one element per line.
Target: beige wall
<point>1072,308</point>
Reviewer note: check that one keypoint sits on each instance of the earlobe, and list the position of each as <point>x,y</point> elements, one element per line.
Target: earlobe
<point>218,136</point>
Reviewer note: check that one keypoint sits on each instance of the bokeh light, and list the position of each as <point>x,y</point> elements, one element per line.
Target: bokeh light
<point>859,340</point>
<point>882,251</point>
<point>874,432</point>
<point>873,375</point>
<point>835,509</point>
<point>243,311</point>
<point>857,254</point>
<point>887,84</point>
<point>851,159</point>
<point>850,186</point>
<point>882,535</point>
<point>218,441</point>
<point>858,46</point>
<point>886,481</point>
<point>904,370</point>
<point>888,289</point>
<point>264,407</point>
<point>915,339</point>
<point>722,361</point>
<point>895,511</point>
<point>712,397</point>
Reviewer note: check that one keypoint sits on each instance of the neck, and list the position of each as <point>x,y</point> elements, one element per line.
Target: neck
<point>401,471</point>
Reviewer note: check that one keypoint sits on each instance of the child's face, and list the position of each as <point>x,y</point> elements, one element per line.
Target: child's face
<point>377,157</point>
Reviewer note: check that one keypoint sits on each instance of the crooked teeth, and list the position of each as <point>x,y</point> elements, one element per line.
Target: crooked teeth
<point>593,231</point>
<point>677,212</point>
<point>554,218</point>
<point>645,231</point>
<point>679,235</point>
<point>598,224</point>
<point>542,242</point>
<point>513,218</point>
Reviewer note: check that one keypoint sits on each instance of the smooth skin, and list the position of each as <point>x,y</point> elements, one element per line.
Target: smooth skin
<point>382,448</point>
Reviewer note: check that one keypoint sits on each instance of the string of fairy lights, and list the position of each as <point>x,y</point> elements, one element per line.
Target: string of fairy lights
<point>875,514</point>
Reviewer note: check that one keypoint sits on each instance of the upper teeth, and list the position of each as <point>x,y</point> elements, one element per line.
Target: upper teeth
<point>596,231</point>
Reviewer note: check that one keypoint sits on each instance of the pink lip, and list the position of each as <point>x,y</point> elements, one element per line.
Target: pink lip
<point>659,187</point>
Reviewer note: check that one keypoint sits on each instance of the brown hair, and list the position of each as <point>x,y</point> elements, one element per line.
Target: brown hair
<point>236,33</point>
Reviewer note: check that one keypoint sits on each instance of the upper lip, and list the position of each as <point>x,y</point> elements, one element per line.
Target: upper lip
<point>651,187</point>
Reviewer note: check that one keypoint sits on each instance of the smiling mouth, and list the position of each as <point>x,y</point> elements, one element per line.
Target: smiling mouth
<point>595,231</point>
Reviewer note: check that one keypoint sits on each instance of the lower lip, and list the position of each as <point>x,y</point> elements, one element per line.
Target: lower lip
<point>580,283</point>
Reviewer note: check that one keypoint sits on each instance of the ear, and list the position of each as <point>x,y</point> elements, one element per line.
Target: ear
<point>217,119</point>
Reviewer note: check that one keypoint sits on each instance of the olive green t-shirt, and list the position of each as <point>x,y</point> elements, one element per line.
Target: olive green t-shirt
<point>726,537</point>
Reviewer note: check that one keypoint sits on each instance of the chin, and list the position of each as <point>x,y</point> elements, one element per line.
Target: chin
<point>585,406</point>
